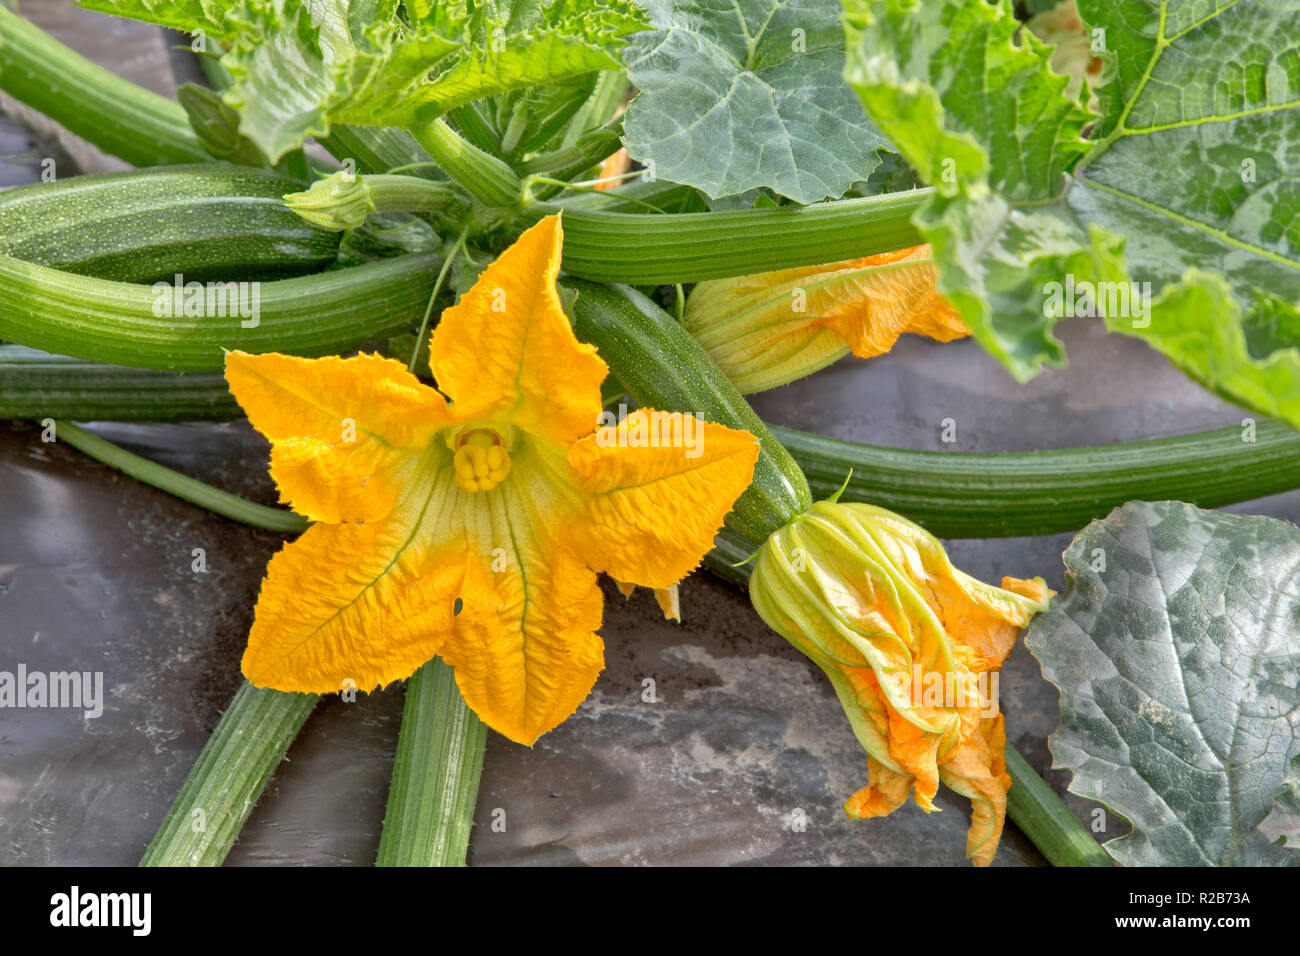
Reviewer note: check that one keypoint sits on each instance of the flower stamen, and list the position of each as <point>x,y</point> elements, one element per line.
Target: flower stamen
<point>481,462</point>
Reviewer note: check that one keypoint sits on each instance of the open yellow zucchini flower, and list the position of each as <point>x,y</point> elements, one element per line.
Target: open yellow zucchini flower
<point>769,329</point>
<point>469,521</point>
<point>912,646</point>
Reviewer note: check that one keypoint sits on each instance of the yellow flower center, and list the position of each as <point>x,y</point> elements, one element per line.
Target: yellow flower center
<point>481,461</point>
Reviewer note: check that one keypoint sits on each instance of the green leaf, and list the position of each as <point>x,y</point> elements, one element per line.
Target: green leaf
<point>301,66</point>
<point>1282,825</point>
<point>1176,648</point>
<point>187,15</point>
<point>740,94</point>
<point>1028,204</point>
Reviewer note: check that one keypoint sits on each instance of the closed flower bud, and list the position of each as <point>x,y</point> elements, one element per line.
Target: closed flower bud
<point>339,201</point>
<point>912,646</point>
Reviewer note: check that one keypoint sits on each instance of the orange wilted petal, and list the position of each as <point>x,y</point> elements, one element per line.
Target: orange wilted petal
<point>769,329</point>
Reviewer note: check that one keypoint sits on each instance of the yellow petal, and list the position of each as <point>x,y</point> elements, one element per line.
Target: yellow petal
<point>888,791</point>
<point>507,353</point>
<point>668,599</point>
<point>355,602</point>
<point>670,602</point>
<point>524,646</point>
<point>344,432</point>
<point>652,510</point>
<point>872,588</point>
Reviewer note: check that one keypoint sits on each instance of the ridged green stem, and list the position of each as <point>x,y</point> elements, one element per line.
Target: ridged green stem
<point>1032,805</point>
<point>115,322</point>
<point>655,249</point>
<point>435,775</point>
<point>599,108</point>
<point>404,193</point>
<point>182,486</point>
<point>118,116</point>
<point>489,180</point>
<point>1042,816</point>
<point>259,725</point>
<point>223,787</point>
<point>987,495</point>
<point>586,152</point>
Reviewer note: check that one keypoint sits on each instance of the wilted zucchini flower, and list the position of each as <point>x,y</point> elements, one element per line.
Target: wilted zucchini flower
<point>912,646</point>
<point>772,328</point>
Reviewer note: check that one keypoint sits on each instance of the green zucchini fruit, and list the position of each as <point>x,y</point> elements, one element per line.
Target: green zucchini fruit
<point>119,322</point>
<point>662,366</point>
<point>207,222</point>
<point>975,495</point>
<point>35,384</point>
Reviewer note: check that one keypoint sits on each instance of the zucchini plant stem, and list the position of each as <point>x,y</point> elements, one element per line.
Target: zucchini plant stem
<point>488,179</point>
<point>182,486</point>
<point>116,115</point>
<point>435,774</point>
<point>254,733</point>
<point>226,781</point>
<point>423,332</point>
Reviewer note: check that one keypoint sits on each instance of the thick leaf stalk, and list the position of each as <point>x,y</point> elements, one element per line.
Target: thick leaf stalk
<point>250,741</point>
<point>490,180</point>
<point>435,775</point>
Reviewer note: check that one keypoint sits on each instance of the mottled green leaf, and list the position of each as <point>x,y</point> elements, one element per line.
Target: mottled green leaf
<point>740,94</point>
<point>1176,648</point>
